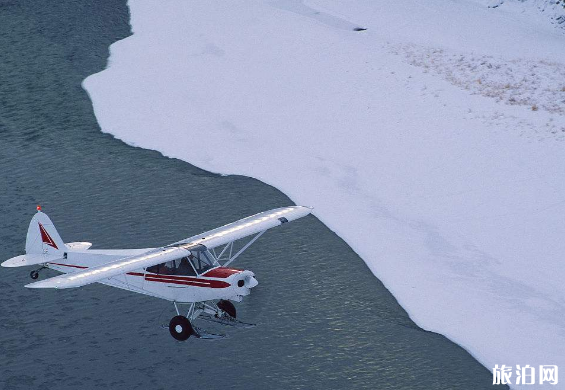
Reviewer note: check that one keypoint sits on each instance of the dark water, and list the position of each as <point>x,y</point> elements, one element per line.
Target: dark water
<point>324,320</point>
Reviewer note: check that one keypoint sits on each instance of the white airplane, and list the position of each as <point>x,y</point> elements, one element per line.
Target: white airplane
<point>186,272</point>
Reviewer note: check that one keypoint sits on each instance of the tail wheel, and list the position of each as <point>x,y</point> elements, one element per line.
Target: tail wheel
<point>34,275</point>
<point>227,307</point>
<point>180,328</point>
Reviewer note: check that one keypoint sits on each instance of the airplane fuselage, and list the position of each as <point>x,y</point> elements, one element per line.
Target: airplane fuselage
<point>215,283</point>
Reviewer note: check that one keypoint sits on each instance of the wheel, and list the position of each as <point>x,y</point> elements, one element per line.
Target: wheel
<point>180,328</point>
<point>34,275</point>
<point>228,307</point>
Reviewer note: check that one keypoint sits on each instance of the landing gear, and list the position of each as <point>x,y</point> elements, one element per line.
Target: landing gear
<point>35,273</point>
<point>227,307</point>
<point>180,328</point>
<point>223,312</point>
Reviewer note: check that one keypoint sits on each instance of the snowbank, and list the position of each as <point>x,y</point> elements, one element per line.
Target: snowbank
<point>453,197</point>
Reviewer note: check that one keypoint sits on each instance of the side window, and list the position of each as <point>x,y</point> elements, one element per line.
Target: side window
<point>184,267</point>
<point>176,267</point>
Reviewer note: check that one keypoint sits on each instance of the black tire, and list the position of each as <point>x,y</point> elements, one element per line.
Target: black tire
<point>227,307</point>
<point>34,275</point>
<point>180,328</point>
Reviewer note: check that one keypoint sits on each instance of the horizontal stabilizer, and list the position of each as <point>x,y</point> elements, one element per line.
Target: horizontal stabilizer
<point>30,259</point>
<point>78,246</point>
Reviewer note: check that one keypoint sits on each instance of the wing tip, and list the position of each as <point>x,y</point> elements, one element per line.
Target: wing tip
<point>306,209</point>
<point>47,283</point>
<point>33,285</point>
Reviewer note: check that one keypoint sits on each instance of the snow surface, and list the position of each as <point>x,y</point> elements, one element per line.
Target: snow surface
<point>552,9</point>
<point>432,143</point>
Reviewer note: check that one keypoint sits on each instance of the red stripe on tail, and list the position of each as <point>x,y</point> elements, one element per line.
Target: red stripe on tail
<point>46,238</point>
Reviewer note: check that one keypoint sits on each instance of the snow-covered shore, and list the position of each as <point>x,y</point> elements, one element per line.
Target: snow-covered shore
<point>450,191</point>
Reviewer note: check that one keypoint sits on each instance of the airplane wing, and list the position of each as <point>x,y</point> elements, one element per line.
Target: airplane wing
<point>113,268</point>
<point>247,226</point>
<point>208,240</point>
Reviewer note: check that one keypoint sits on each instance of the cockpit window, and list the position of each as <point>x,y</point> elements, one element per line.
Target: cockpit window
<point>195,263</point>
<point>201,261</point>
<point>175,267</point>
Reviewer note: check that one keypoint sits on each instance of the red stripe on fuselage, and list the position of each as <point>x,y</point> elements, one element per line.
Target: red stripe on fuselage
<point>172,279</point>
<point>212,284</point>
<point>69,265</point>
<point>199,282</point>
<point>175,277</point>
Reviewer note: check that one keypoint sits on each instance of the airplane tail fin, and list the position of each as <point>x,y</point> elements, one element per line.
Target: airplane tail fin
<point>42,237</point>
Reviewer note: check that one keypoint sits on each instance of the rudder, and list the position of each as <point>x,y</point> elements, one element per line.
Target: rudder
<point>42,237</point>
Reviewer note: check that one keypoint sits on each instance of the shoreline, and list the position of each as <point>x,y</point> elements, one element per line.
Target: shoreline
<point>457,251</point>
<point>315,328</point>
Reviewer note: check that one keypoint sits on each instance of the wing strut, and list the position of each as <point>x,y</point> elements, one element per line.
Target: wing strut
<point>239,252</point>
<point>228,245</point>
